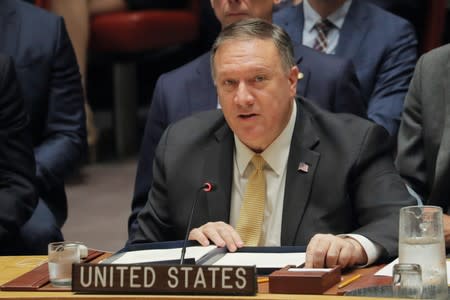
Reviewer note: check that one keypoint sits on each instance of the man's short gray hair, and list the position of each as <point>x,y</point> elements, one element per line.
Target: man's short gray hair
<point>257,29</point>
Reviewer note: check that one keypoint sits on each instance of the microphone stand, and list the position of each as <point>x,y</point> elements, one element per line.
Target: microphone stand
<point>206,187</point>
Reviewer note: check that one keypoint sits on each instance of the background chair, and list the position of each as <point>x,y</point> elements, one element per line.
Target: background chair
<point>128,37</point>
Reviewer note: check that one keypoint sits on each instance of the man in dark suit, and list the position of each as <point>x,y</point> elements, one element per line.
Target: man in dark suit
<point>321,172</point>
<point>18,198</point>
<point>423,157</point>
<point>328,81</point>
<point>51,86</point>
<point>383,48</point>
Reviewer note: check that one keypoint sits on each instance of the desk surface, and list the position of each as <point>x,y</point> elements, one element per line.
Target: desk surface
<point>13,266</point>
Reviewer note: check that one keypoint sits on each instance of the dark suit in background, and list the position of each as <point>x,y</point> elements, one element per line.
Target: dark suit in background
<point>412,10</point>
<point>51,85</point>
<point>328,81</point>
<point>423,157</point>
<point>351,185</point>
<point>383,48</point>
<point>17,194</point>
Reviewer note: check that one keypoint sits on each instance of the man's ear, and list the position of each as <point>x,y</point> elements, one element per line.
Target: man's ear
<point>293,79</point>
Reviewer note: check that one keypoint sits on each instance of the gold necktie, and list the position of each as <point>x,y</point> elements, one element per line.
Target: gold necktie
<point>251,215</point>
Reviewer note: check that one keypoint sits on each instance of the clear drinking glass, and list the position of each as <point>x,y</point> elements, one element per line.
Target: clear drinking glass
<point>421,241</point>
<point>61,256</point>
<point>407,281</point>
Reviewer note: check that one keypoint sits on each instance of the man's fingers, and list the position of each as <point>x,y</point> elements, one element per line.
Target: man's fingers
<point>346,255</point>
<point>219,233</point>
<point>316,251</point>
<point>333,255</point>
<point>230,236</point>
<point>196,234</point>
<point>237,239</point>
<point>358,255</point>
<point>327,250</point>
<point>211,230</point>
<point>309,257</point>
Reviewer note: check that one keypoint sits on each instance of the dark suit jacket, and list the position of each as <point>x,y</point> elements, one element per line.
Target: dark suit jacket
<point>383,48</point>
<point>50,82</point>
<point>423,157</point>
<point>412,10</point>
<point>17,196</point>
<point>351,185</point>
<point>328,81</point>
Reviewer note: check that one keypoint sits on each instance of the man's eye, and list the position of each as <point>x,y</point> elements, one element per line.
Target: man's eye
<point>229,82</point>
<point>260,78</point>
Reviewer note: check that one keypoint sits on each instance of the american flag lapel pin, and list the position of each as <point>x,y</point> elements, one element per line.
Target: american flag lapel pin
<point>303,167</point>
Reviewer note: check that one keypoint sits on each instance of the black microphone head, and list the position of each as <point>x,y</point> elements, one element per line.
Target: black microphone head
<point>208,187</point>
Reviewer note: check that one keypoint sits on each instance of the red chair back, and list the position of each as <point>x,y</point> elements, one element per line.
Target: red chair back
<point>140,30</point>
<point>434,25</point>
<point>42,3</point>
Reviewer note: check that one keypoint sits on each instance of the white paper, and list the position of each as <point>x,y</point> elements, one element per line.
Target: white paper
<point>154,255</point>
<point>387,270</point>
<point>261,260</point>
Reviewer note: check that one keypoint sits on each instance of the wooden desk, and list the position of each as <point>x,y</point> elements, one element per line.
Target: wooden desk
<point>13,266</point>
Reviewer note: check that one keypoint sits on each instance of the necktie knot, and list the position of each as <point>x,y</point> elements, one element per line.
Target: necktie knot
<point>258,162</point>
<point>324,25</point>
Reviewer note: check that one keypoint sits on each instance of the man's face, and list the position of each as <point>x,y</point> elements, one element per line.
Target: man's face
<point>230,11</point>
<point>255,92</point>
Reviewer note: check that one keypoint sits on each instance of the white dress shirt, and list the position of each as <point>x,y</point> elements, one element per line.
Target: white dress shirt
<point>337,18</point>
<point>276,157</point>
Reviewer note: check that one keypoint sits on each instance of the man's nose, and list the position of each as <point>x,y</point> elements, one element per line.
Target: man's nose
<point>243,96</point>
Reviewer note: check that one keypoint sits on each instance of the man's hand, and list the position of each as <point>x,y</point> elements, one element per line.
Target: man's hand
<point>220,233</point>
<point>327,250</point>
<point>446,221</point>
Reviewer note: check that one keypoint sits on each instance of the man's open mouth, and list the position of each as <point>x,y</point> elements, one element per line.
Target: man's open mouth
<point>246,116</point>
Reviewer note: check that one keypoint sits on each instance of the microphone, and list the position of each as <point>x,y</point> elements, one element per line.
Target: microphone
<point>206,187</point>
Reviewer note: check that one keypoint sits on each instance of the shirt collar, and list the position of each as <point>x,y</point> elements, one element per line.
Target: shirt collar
<point>275,155</point>
<point>337,17</point>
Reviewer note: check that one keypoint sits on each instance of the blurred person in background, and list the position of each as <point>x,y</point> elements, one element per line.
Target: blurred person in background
<point>382,46</point>
<point>17,166</point>
<point>50,83</point>
<point>423,157</point>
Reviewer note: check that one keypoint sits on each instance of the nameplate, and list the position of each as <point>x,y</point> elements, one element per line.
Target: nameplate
<point>164,279</point>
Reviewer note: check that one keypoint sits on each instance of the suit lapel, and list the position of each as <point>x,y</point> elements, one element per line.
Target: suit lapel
<point>300,23</point>
<point>9,28</point>
<point>353,30</point>
<point>201,89</point>
<point>302,164</point>
<point>292,19</point>
<point>218,169</point>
